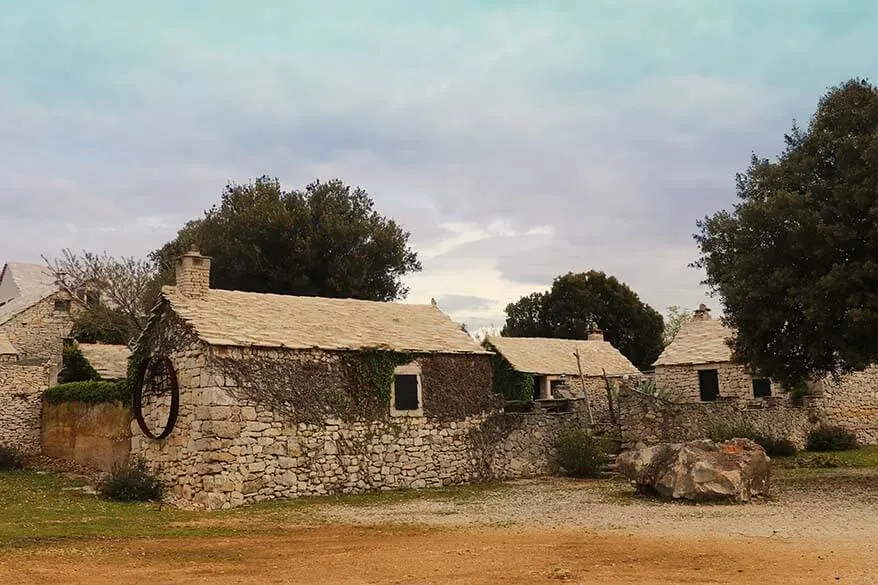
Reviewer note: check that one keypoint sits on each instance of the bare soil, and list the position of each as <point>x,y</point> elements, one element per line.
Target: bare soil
<point>360,555</point>
<point>814,530</point>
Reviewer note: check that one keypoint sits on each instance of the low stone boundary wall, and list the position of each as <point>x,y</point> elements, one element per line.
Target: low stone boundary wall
<point>649,420</point>
<point>21,390</point>
<point>95,435</point>
<point>851,402</point>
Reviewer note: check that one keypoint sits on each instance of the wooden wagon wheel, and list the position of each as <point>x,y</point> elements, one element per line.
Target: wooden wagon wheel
<point>157,377</point>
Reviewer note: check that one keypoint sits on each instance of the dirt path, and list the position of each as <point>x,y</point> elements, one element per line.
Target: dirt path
<point>396,555</point>
<point>811,512</point>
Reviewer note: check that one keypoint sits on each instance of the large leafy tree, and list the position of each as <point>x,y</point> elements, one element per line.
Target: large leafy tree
<point>795,262</point>
<point>579,303</point>
<point>326,240</point>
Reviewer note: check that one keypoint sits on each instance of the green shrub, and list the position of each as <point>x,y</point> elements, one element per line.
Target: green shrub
<point>89,392</point>
<point>10,458</point>
<point>579,453</point>
<point>134,483</point>
<point>776,447</point>
<point>75,368</point>
<point>831,438</point>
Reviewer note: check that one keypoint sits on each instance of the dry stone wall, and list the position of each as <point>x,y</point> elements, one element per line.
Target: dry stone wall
<point>37,333</point>
<point>649,420</point>
<point>21,391</point>
<point>851,402</point>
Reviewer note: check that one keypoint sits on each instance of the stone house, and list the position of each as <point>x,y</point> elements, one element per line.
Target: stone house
<point>35,313</point>
<point>697,365</point>
<point>553,365</point>
<point>247,396</point>
<point>35,316</point>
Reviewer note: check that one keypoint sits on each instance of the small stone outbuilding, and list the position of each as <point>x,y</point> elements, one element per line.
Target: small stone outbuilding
<point>556,373</point>
<point>248,396</point>
<point>698,365</point>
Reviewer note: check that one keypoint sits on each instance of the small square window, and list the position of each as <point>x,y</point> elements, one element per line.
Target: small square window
<point>761,388</point>
<point>405,392</point>
<point>62,306</point>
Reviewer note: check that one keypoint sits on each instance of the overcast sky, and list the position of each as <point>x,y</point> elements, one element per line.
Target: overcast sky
<point>515,140</point>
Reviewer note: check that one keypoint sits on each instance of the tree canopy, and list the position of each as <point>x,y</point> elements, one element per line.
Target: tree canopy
<point>795,262</point>
<point>579,303</point>
<point>326,240</point>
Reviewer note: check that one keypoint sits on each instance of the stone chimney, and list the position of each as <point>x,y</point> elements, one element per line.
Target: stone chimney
<point>193,274</point>
<point>702,313</point>
<point>596,335</point>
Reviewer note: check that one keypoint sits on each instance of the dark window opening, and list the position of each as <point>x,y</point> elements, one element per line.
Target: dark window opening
<point>708,385</point>
<point>538,386</point>
<point>62,306</point>
<point>405,392</point>
<point>761,388</point>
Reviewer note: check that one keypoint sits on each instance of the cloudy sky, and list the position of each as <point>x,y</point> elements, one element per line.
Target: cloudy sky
<point>515,140</point>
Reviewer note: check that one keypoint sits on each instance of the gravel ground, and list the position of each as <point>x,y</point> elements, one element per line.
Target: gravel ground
<point>804,504</point>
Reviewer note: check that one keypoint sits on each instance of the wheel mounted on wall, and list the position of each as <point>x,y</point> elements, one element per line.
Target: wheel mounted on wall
<point>157,377</point>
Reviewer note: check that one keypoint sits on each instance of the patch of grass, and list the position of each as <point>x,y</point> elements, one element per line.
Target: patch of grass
<point>38,507</point>
<point>864,457</point>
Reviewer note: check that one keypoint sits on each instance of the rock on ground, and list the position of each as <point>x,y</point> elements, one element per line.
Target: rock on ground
<point>734,470</point>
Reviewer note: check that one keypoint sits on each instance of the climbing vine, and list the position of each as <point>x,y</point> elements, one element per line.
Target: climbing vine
<point>373,369</point>
<point>511,384</point>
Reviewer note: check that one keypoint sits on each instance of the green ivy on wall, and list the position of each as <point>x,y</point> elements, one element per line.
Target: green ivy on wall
<point>374,369</point>
<point>508,382</point>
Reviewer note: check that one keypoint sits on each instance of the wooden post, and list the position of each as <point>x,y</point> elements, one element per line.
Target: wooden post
<point>609,396</point>
<point>584,389</point>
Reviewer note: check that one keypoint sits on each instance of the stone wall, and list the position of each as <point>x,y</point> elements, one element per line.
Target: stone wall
<point>851,402</point>
<point>37,333</point>
<point>227,449</point>
<point>648,420</point>
<point>21,391</point>
<point>735,381</point>
<point>95,435</point>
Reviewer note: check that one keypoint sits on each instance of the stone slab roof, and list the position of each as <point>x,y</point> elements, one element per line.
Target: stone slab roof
<point>6,347</point>
<point>699,341</point>
<point>22,286</point>
<point>234,318</point>
<point>544,356</point>
<point>110,361</point>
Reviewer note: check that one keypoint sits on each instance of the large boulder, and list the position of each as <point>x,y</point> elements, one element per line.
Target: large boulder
<point>735,470</point>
